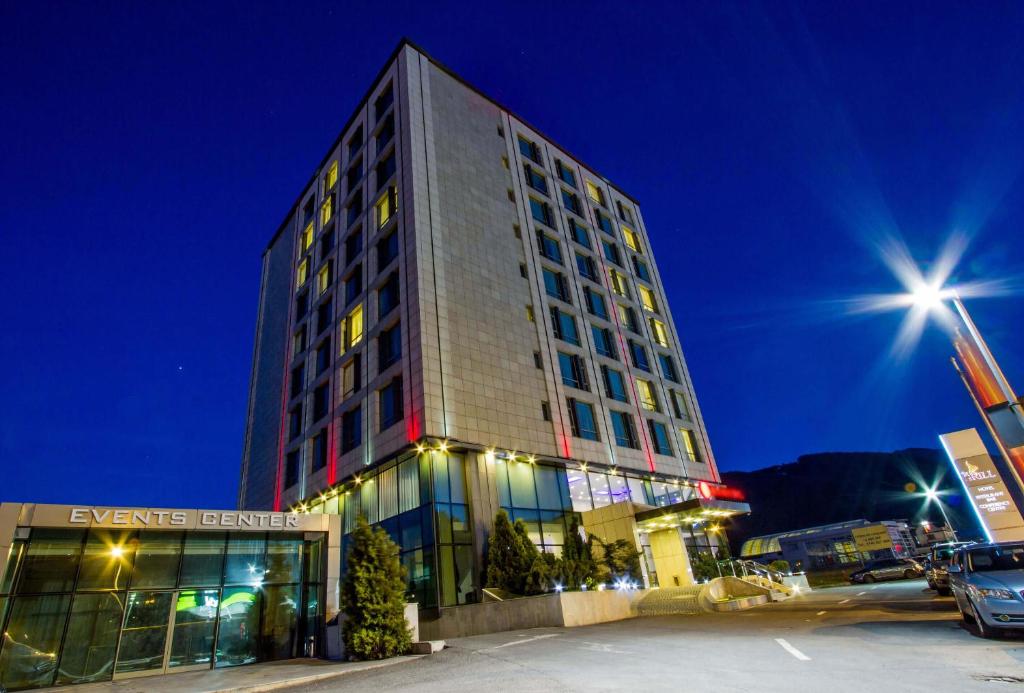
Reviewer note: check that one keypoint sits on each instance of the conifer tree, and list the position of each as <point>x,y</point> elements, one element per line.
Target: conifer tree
<point>510,555</point>
<point>373,596</point>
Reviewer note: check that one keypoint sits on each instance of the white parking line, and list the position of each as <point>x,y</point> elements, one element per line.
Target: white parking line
<point>524,640</point>
<point>820,613</point>
<point>792,650</point>
<point>844,601</point>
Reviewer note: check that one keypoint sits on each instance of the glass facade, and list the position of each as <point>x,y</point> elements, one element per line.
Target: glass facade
<point>88,605</point>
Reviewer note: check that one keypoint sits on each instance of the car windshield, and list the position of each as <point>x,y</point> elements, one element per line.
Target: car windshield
<point>994,558</point>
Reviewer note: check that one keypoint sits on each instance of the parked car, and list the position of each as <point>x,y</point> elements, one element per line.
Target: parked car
<point>986,581</point>
<point>888,569</point>
<point>936,564</point>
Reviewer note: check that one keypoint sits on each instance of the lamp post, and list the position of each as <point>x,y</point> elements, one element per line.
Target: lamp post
<point>932,494</point>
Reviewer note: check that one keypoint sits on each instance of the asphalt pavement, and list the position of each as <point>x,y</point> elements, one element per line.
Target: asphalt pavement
<point>895,636</point>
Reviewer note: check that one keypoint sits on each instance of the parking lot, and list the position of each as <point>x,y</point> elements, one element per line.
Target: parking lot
<point>882,637</point>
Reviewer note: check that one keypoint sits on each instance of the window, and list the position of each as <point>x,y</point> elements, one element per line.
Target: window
<point>320,451</point>
<point>578,233</point>
<point>529,313</point>
<point>355,142</point>
<point>387,296</point>
<point>632,240</point>
<point>301,305</point>
<point>639,355</point>
<point>624,430</point>
<point>537,361</point>
<point>389,347</point>
<point>522,271</point>
<point>604,223</point>
<point>581,419</point>
<point>352,328</point>
<point>529,150</point>
<point>327,242</point>
<point>545,411</point>
<point>298,379</point>
<point>647,299</point>
<point>628,318</point>
<point>564,326</point>
<point>387,250</point>
<point>351,377</point>
<point>299,341</point>
<point>302,274</point>
<point>659,332</point>
<point>659,436</point>
<point>586,267</point>
<point>614,384</point>
<point>355,209</point>
<point>679,407</point>
<point>549,247</point>
<point>323,278</point>
<point>307,237</point>
<point>573,372</point>
<point>572,202</point>
<point>385,169</point>
<point>295,422</point>
<point>323,316</point>
<point>331,179</point>
<point>355,174</point>
<point>308,210</point>
<point>556,285</point>
<point>603,341</point>
<point>327,210</point>
<point>690,445</point>
<point>354,285</point>
<point>541,211</point>
<point>565,173</point>
<point>595,193</point>
<point>618,283</point>
<point>323,356</point>
<point>625,213</point>
<point>595,303</point>
<point>386,132</point>
<point>391,404</point>
<point>641,269</point>
<point>668,367</point>
<point>535,179</point>
<point>351,429</point>
<point>648,397</point>
<point>387,205</point>
<point>353,245</point>
<point>611,252</point>
<point>291,469</point>
<point>321,401</point>
<point>384,101</point>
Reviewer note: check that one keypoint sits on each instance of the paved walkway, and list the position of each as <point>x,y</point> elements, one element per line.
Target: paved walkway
<point>246,679</point>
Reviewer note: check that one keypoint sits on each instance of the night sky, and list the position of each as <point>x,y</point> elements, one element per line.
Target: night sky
<point>149,150</point>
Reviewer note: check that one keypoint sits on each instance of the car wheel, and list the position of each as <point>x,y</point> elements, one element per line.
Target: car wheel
<point>979,625</point>
<point>869,578</point>
<point>908,574</point>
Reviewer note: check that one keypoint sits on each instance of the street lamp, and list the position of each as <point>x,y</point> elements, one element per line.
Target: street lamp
<point>932,494</point>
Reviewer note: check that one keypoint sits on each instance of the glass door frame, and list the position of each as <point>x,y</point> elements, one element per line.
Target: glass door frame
<point>169,641</point>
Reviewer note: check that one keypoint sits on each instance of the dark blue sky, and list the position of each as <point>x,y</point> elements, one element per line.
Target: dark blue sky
<point>149,151</point>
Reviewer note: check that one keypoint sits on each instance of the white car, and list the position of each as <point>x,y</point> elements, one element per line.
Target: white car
<point>987,581</point>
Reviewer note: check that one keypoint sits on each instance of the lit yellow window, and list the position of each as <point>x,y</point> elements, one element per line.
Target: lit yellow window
<point>386,206</point>
<point>618,283</point>
<point>352,328</point>
<point>348,378</point>
<point>689,444</point>
<point>647,299</point>
<point>594,193</point>
<point>332,176</point>
<point>327,210</point>
<point>307,237</point>
<point>648,399</point>
<point>529,313</point>
<point>323,278</point>
<point>631,239</point>
<point>659,331</point>
<point>303,273</point>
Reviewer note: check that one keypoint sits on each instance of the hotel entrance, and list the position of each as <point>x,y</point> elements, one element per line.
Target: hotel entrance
<point>165,631</point>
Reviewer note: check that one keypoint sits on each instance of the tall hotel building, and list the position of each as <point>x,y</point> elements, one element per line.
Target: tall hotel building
<point>458,316</point>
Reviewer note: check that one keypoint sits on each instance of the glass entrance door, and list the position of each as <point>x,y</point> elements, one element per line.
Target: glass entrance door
<point>167,631</point>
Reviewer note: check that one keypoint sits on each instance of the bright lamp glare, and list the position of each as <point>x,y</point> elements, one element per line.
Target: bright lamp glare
<point>928,296</point>
<point>931,494</point>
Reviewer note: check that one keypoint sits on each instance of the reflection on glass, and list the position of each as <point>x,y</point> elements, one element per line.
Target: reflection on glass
<point>579,490</point>
<point>660,493</point>
<point>145,632</point>
<point>203,561</point>
<point>107,561</point>
<point>195,617</point>
<point>618,489</point>
<point>461,533</point>
<point>312,622</point>
<point>457,478</point>
<point>548,492</point>
<point>531,518</point>
<point>636,490</point>
<point>552,528</point>
<point>91,640</point>
<point>156,559</point>
<point>28,657</point>
<point>311,556</point>
<point>244,564</point>
<point>599,489</point>
<point>50,562</point>
<point>520,481</point>
<point>13,560</point>
<point>440,464</point>
<point>284,560</point>
<point>280,621</point>
<point>238,634</point>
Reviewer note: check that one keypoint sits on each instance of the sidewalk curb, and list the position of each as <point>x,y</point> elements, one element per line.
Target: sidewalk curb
<point>313,678</point>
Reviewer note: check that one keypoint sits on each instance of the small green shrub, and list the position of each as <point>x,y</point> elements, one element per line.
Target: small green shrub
<point>780,565</point>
